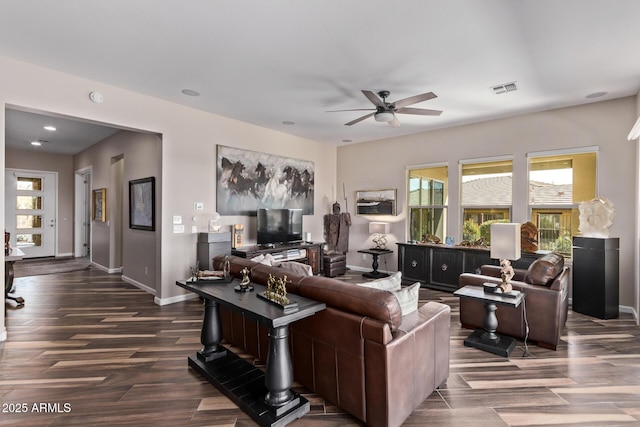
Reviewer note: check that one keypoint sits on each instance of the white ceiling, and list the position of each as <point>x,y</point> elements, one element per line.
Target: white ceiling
<point>265,62</point>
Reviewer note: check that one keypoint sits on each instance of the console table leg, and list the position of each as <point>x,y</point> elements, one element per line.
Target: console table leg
<point>279,370</point>
<point>211,334</point>
<point>490,322</point>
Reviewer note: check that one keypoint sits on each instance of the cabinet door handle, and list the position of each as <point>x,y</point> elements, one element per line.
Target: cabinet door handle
<point>444,267</point>
<point>414,263</point>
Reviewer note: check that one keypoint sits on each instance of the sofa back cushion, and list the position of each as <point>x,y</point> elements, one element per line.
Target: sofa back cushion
<point>544,270</point>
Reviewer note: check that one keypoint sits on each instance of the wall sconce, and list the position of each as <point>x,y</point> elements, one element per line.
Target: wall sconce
<point>379,230</point>
<point>505,246</point>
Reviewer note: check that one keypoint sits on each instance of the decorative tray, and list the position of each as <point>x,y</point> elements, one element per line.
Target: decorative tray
<point>292,306</point>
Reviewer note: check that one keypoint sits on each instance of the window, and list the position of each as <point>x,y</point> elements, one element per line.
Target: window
<point>557,185</point>
<point>427,198</point>
<point>486,196</point>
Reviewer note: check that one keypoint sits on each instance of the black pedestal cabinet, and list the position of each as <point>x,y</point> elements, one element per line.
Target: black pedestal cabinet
<point>210,245</point>
<point>596,276</point>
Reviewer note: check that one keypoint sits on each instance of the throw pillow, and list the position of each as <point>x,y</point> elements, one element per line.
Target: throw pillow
<point>408,298</point>
<point>391,283</point>
<point>264,259</point>
<point>296,268</point>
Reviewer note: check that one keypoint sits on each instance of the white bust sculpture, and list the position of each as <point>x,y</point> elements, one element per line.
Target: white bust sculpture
<point>596,216</point>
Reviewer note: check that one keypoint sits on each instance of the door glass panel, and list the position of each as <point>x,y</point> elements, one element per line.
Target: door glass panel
<point>29,239</point>
<point>28,221</point>
<point>29,202</point>
<point>28,183</point>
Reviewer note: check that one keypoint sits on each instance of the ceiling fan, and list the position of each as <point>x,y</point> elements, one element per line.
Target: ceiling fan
<point>386,111</point>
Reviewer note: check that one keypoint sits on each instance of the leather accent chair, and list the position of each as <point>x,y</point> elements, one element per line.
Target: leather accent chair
<point>545,285</point>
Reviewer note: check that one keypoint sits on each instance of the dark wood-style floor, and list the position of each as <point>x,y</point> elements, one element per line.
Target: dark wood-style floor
<point>88,349</point>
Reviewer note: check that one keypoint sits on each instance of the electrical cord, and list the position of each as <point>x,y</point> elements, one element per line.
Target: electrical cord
<point>526,325</point>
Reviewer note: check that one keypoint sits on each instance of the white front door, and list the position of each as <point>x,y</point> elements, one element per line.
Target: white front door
<point>30,211</point>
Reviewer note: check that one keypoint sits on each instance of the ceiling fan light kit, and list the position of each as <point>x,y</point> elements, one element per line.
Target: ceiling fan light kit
<point>384,116</point>
<point>385,112</point>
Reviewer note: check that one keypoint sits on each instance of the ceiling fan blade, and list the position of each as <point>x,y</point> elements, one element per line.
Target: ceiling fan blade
<point>355,109</point>
<point>414,99</point>
<point>419,111</point>
<point>375,100</point>
<point>353,122</point>
<point>395,122</point>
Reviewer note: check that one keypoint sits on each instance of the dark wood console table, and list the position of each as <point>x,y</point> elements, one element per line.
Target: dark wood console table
<point>266,396</point>
<point>308,253</point>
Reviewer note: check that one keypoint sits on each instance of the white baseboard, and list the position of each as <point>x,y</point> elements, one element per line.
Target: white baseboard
<point>139,285</point>
<point>366,269</point>
<point>65,255</point>
<point>173,300</point>
<point>106,269</point>
<point>3,334</point>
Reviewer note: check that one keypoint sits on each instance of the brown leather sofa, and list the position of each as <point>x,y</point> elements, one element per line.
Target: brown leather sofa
<point>545,285</point>
<point>359,353</point>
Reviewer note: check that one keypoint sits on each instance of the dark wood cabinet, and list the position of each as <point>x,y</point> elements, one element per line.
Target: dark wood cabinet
<point>446,267</point>
<point>414,263</point>
<point>308,253</point>
<point>439,266</point>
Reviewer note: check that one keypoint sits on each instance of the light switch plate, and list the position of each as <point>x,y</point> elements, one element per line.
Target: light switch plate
<point>177,219</point>
<point>198,206</point>
<point>178,228</point>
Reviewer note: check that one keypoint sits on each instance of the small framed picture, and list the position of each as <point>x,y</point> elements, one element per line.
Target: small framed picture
<point>99,202</point>
<point>376,202</point>
<point>142,204</point>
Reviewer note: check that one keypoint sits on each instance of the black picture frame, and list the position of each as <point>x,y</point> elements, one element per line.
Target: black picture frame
<point>142,204</point>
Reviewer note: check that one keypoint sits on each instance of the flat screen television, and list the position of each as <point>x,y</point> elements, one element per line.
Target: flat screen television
<point>278,226</point>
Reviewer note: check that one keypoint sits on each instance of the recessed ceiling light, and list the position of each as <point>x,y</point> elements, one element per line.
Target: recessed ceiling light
<point>36,143</point>
<point>288,123</point>
<point>50,128</point>
<point>190,92</point>
<point>596,94</point>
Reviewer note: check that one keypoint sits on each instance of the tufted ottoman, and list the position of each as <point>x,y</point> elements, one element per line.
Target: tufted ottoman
<point>335,264</point>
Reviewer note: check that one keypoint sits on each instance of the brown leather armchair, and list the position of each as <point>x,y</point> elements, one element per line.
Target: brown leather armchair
<point>545,285</point>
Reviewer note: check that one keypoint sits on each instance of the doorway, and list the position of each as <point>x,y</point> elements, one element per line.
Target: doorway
<point>82,224</point>
<point>30,211</point>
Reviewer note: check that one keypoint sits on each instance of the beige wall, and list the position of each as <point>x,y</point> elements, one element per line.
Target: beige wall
<point>141,155</point>
<point>189,139</point>
<point>602,124</point>
<point>63,166</point>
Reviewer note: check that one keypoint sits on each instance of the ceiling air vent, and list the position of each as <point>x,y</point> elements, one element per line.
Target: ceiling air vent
<point>504,88</point>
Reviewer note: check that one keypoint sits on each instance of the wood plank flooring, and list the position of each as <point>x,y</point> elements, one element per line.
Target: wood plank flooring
<point>88,349</point>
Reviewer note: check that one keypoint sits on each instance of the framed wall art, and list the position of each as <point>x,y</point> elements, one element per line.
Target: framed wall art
<point>99,202</point>
<point>142,204</point>
<point>376,202</point>
<point>248,180</point>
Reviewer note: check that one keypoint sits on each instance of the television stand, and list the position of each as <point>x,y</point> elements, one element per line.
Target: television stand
<point>306,252</point>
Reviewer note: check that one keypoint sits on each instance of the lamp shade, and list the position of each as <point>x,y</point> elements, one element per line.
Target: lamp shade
<point>379,228</point>
<point>505,241</point>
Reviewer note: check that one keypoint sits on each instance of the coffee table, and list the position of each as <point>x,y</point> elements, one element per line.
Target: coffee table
<point>266,396</point>
<point>487,339</point>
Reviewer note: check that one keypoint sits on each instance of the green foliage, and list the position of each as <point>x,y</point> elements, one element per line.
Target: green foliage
<point>470,230</point>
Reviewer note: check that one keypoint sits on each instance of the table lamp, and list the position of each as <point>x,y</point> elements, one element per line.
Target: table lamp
<point>505,246</point>
<point>379,230</point>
